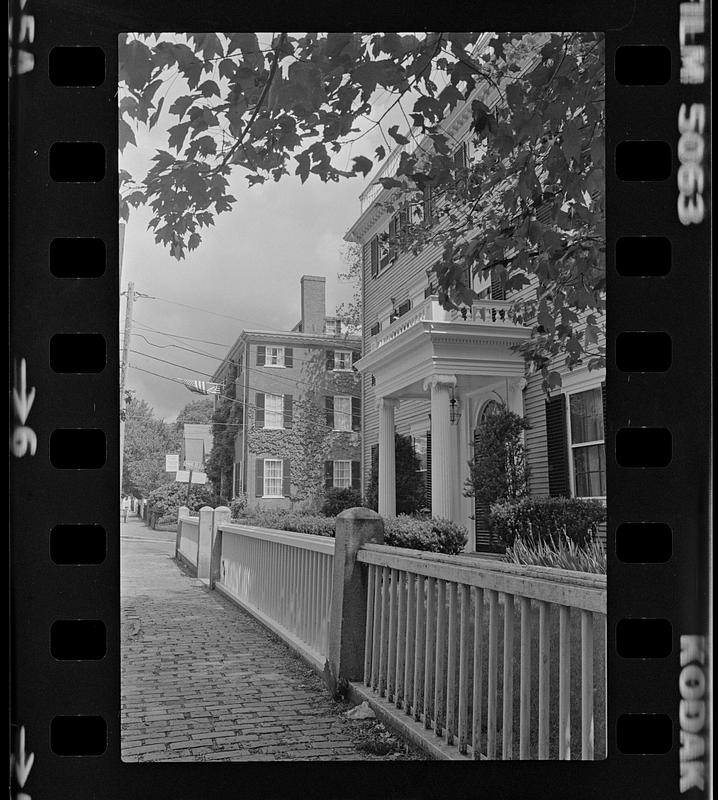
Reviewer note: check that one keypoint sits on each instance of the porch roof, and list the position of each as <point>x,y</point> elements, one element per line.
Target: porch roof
<point>430,340</point>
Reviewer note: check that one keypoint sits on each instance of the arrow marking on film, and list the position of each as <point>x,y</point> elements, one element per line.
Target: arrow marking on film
<point>22,399</point>
<point>23,764</point>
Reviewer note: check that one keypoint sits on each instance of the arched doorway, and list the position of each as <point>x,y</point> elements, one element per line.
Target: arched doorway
<point>484,538</point>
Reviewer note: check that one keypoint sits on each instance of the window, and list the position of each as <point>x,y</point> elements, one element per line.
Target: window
<point>272,477</point>
<point>333,327</point>
<point>375,328</point>
<point>342,360</point>
<point>342,413</point>
<point>342,475</point>
<point>586,443</point>
<point>273,411</point>
<point>275,357</point>
<point>400,310</point>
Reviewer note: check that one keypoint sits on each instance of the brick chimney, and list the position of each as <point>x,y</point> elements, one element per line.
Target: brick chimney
<point>314,305</point>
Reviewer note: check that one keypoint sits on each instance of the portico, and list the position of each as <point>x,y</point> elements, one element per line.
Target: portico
<point>455,363</point>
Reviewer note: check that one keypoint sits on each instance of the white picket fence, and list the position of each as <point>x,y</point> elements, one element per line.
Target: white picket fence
<point>283,578</point>
<point>492,660</point>
<point>443,642</point>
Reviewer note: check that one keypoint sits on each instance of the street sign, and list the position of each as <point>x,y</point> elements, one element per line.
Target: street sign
<point>172,462</point>
<point>198,478</point>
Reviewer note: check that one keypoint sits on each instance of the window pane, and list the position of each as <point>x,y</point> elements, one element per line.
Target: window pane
<point>342,474</point>
<point>272,477</point>
<point>275,356</point>
<point>589,465</point>
<point>586,416</point>
<point>273,411</point>
<point>342,413</point>
<point>342,359</point>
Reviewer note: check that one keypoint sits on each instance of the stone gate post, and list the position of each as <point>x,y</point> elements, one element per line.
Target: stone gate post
<point>355,527</point>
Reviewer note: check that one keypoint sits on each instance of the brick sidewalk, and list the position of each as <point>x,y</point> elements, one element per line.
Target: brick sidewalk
<point>203,681</point>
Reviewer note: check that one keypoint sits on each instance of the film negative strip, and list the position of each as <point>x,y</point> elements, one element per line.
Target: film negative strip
<point>72,735</point>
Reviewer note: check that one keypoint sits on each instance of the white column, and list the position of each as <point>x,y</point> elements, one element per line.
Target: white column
<point>467,453</point>
<point>442,442</point>
<point>387,458</point>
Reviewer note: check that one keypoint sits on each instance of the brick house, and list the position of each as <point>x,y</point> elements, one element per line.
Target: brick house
<point>300,399</point>
<point>434,375</point>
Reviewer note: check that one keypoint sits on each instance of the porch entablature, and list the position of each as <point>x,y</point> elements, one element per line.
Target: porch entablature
<point>414,349</point>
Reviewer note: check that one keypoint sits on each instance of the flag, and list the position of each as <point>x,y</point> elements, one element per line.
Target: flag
<point>201,387</point>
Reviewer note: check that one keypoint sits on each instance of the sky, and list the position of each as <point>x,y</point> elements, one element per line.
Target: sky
<point>247,268</point>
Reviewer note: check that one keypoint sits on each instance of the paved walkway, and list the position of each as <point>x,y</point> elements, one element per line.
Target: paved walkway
<point>203,681</point>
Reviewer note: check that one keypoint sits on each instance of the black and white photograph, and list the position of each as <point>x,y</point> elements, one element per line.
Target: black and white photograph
<point>362,396</point>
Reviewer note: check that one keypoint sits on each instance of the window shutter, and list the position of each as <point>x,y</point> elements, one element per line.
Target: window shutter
<point>286,478</point>
<point>259,475</point>
<point>330,360</point>
<point>427,493</point>
<point>374,256</point>
<point>261,355</point>
<point>356,476</point>
<point>366,255</point>
<point>288,410</point>
<point>375,459</point>
<point>329,408</point>
<point>355,357</point>
<point>328,474</point>
<point>498,292</point>
<point>259,410</point>
<point>288,357</point>
<point>356,413</point>
<point>557,447</point>
<point>375,328</point>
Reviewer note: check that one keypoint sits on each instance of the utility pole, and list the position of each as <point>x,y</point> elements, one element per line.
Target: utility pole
<point>123,369</point>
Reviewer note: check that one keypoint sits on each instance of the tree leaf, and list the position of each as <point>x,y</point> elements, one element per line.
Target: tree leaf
<point>396,136</point>
<point>126,135</point>
<point>380,153</point>
<point>209,89</point>
<point>363,165</point>
<point>181,104</point>
<point>177,135</point>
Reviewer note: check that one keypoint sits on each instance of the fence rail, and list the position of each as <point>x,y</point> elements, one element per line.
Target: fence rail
<point>453,644</point>
<point>284,578</point>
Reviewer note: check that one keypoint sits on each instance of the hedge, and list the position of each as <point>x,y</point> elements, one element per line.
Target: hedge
<point>165,501</point>
<point>543,518</point>
<point>434,535</point>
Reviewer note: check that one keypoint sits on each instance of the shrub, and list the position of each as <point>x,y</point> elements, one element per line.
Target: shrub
<point>498,470</point>
<point>410,488</point>
<point>237,507</point>
<point>434,534</point>
<point>165,501</point>
<point>292,521</point>
<point>546,518</point>
<point>338,500</point>
<point>562,553</point>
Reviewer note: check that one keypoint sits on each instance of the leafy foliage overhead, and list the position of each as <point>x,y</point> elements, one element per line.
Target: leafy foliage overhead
<point>528,208</point>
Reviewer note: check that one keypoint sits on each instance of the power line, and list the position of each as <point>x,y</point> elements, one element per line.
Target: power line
<point>214,313</point>
<point>234,400</point>
<point>179,335</point>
